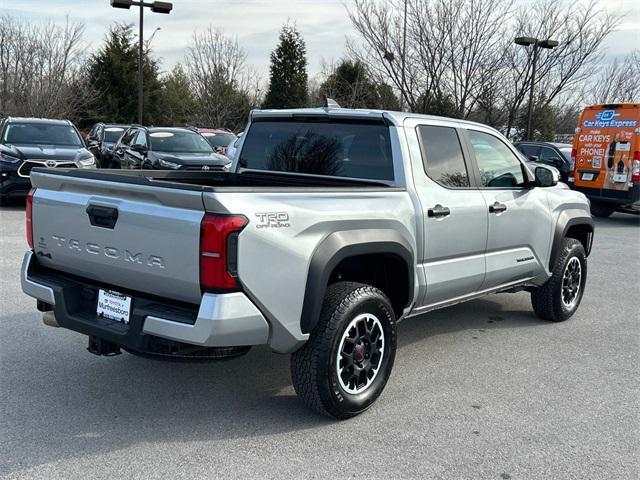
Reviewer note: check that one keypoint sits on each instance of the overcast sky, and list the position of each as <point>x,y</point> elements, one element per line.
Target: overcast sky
<point>323,23</point>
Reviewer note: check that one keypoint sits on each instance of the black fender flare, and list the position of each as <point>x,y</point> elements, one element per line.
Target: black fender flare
<point>567,219</point>
<point>344,244</point>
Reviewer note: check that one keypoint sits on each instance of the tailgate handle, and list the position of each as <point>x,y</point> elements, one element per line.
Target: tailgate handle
<point>105,217</point>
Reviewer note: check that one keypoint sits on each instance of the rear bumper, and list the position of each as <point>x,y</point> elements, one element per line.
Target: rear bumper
<point>221,320</point>
<point>623,198</point>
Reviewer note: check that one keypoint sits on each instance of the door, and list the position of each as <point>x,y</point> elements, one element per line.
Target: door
<point>119,151</point>
<point>136,153</point>
<point>519,230</point>
<point>454,216</point>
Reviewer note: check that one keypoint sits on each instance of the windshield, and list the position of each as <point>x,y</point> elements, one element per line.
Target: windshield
<point>219,139</point>
<point>113,134</point>
<point>566,152</point>
<point>344,149</point>
<point>183,142</point>
<point>42,134</point>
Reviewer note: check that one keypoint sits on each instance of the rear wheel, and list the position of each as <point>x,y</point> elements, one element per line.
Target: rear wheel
<point>559,298</point>
<point>601,209</point>
<point>345,364</point>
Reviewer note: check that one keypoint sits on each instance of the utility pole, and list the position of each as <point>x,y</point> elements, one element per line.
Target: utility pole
<point>528,41</point>
<point>404,56</point>
<point>157,7</point>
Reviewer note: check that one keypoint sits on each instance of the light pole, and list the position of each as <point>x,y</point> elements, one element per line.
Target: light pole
<point>157,7</point>
<point>527,41</point>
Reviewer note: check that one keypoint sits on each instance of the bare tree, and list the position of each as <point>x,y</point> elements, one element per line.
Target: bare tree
<point>580,30</point>
<point>618,82</point>
<point>452,46</point>
<point>40,68</point>
<point>224,85</point>
<point>461,52</point>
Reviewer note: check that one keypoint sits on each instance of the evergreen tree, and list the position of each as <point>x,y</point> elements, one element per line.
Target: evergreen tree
<point>113,73</point>
<point>178,104</point>
<point>288,72</point>
<point>351,85</point>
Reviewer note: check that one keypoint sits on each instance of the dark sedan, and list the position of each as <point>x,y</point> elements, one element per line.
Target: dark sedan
<point>555,154</point>
<point>101,140</point>
<point>167,149</point>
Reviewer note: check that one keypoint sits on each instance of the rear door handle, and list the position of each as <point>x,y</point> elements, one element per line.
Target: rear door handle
<point>497,207</point>
<point>438,211</point>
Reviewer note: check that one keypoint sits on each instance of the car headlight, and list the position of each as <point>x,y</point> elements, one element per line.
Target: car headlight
<point>227,167</point>
<point>168,164</point>
<point>8,158</point>
<point>88,162</point>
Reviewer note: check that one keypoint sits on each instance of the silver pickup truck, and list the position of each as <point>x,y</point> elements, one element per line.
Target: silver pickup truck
<point>332,226</point>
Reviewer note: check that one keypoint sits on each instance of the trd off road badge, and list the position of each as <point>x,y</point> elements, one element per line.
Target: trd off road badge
<point>273,220</point>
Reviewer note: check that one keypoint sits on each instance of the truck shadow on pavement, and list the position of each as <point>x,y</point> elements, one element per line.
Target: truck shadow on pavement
<point>75,405</point>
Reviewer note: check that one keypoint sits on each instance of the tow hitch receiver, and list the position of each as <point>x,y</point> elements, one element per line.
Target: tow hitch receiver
<point>99,346</point>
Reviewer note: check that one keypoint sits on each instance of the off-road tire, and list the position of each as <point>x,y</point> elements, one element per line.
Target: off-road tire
<point>547,300</point>
<point>314,370</point>
<point>601,210</point>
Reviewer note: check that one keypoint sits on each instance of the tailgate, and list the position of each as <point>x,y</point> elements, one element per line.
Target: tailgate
<point>152,246</point>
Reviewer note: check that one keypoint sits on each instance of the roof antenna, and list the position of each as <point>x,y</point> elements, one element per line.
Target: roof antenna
<point>330,103</point>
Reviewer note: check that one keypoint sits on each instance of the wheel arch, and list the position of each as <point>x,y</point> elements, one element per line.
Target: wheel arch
<point>572,224</point>
<point>363,248</point>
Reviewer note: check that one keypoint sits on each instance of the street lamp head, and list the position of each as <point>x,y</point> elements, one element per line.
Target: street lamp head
<point>161,7</point>
<point>548,43</point>
<point>121,3</point>
<point>526,41</point>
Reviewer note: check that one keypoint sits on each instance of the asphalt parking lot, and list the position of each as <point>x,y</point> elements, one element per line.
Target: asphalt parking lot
<point>479,390</point>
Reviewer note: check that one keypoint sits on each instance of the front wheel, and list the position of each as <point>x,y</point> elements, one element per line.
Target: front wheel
<point>561,295</point>
<point>345,364</point>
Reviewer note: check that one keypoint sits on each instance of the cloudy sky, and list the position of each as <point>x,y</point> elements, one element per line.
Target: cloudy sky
<point>323,23</point>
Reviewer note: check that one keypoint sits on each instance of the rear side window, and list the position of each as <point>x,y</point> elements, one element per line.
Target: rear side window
<point>341,149</point>
<point>442,156</point>
<point>529,150</point>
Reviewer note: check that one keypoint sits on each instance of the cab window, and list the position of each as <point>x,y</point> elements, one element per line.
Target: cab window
<point>497,164</point>
<point>442,156</point>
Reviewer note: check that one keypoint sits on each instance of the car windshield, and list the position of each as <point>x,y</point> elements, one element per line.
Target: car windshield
<point>219,139</point>
<point>566,152</point>
<point>42,134</point>
<point>113,134</point>
<point>183,142</point>
<point>334,148</point>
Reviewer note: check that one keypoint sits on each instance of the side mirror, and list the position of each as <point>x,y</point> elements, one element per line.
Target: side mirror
<point>546,177</point>
<point>137,147</point>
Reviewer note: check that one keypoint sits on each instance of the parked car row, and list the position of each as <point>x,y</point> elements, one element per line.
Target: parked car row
<point>35,142</point>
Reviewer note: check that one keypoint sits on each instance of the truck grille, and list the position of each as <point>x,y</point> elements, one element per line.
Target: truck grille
<point>25,169</point>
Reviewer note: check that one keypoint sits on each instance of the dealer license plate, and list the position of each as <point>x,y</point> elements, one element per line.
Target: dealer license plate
<point>114,305</point>
<point>587,176</point>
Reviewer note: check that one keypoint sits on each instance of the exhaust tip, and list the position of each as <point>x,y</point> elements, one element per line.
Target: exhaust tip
<point>49,319</point>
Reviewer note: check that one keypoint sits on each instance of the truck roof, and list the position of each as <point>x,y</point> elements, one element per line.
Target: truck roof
<point>397,118</point>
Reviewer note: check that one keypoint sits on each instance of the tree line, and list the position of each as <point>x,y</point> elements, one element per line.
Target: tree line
<point>458,57</point>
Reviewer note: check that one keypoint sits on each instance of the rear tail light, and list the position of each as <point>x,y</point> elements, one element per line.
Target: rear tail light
<point>219,252</point>
<point>572,163</point>
<point>635,168</point>
<point>29,217</point>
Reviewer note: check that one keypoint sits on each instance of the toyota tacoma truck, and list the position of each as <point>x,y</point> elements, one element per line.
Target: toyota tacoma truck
<point>332,225</point>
